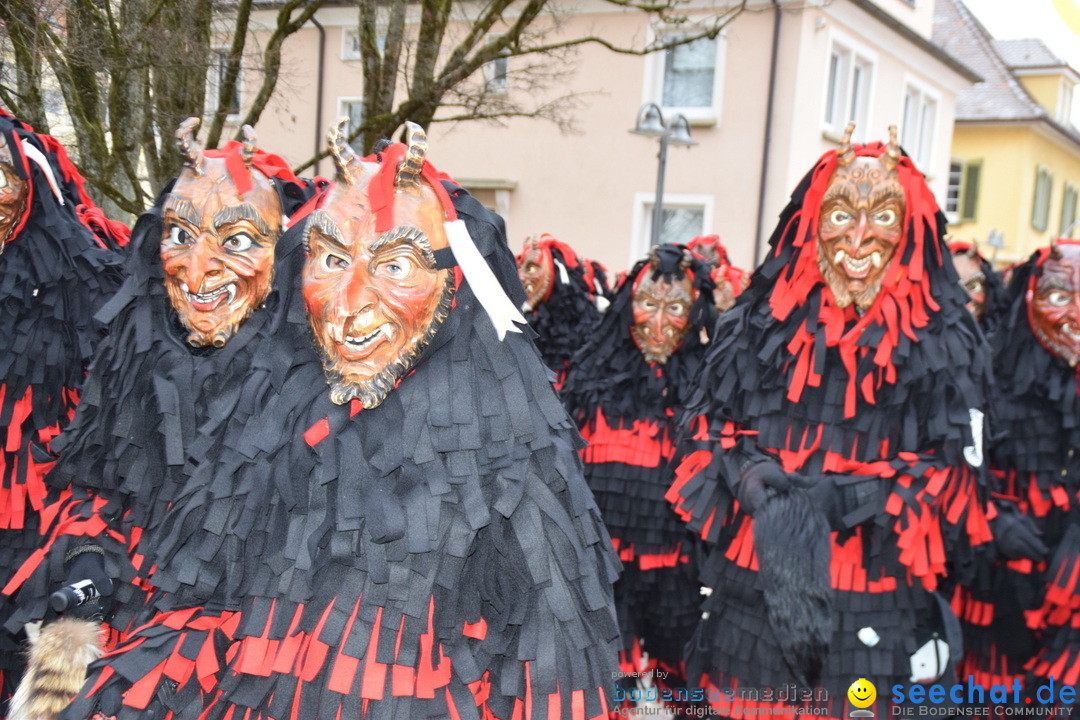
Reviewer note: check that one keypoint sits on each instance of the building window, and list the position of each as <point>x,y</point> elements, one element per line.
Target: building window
<point>962,195</point>
<point>919,121</point>
<point>495,76</point>
<point>350,43</point>
<point>847,88</point>
<point>686,77</point>
<point>353,108</point>
<point>684,216</point>
<point>1065,102</point>
<point>214,80</point>
<point>1040,208</point>
<point>1068,210</point>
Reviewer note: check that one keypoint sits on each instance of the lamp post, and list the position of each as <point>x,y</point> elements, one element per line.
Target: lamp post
<point>650,123</point>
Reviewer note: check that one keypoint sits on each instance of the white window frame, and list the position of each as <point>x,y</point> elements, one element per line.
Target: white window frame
<point>655,66</point>
<point>917,100</point>
<point>350,43</point>
<point>213,81</point>
<point>841,87</point>
<point>641,232</point>
<point>342,110</point>
<point>493,84</point>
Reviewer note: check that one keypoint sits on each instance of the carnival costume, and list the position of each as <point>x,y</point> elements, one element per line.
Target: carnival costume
<point>422,547</point>
<point>624,389</point>
<point>1024,616</point>
<point>983,284</point>
<point>729,280</point>
<point>59,261</point>
<point>561,292</point>
<point>833,453</point>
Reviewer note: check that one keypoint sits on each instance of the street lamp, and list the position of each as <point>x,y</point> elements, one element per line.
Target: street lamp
<point>650,123</point>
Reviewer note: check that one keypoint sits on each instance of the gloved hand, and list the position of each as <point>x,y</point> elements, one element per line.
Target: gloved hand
<point>1016,535</point>
<point>87,562</point>
<point>759,481</point>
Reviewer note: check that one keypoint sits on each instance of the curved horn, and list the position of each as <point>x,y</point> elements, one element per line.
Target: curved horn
<point>340,149</point>
<point>686,260</point>
<point>408,174</point>
<point>845,156</point>
<point>247,148</point>
<point>189,146</point>
<point>891,158</point>
<point>973,251</point>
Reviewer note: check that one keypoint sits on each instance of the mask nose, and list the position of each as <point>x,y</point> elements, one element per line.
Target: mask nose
<point>202,263</point>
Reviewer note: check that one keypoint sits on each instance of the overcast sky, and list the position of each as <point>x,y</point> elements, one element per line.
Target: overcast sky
<point>1012,19</point>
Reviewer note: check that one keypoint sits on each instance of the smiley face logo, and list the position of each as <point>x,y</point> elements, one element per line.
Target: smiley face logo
<point>862,693</point>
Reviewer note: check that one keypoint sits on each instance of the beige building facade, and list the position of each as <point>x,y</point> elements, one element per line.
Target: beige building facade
<point>594,188</point>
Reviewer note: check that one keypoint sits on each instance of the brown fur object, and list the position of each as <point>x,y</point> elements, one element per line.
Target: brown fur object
<point>57,668</point>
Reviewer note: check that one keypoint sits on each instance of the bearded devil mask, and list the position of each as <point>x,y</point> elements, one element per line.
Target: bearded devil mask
<point>1054,301</point>
<point>374,289</point>
<point>861,223</point>
<point>13,192</point>
<point>221,222</point>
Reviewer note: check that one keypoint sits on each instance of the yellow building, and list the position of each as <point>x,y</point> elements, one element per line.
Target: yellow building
<point>1015,169</point>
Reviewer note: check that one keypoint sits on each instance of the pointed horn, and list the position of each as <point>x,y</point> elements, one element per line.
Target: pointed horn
<point>973,251</point>
<point>247,148</point>
<point>340,149</point>
<point>891,158</point>
<point>1055,250</point>
<point>845,156</point>
<point>408,174</point>
<point>686,260</point>
<point>189,146</point>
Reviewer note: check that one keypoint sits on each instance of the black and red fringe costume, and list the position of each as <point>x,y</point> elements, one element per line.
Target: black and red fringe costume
<point>1023,617</point>
<point>61,262</point>
<point>565,317</point>
<point>626,410</point>
<point>438,556</point>
<point>872,412</point>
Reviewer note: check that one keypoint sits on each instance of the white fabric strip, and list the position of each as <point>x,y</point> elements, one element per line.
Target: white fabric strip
<point>37,156</point>
<point>482,280</point>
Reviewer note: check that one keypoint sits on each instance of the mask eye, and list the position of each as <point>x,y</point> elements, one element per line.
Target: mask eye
<point>839,217</point>
<point>178,236</point>
<point>885,218</point>
<point>397,269</point>
<point>333,263</point>
<point>240,242</point>
<point>1057,298</point>
<point>3,179</point>
<point>676,308</point>
<point>647,304</point>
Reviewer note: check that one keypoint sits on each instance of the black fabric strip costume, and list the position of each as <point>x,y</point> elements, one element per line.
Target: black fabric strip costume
<point>438,556</point>
<point>1024,617</point>
<point>626,409</point>
<point>56,269</point>
<point>565,318</point>
<point>871,412</point>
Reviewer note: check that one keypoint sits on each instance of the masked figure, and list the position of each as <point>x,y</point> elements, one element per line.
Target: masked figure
<point>166,380</point>
<point>562,290</point>
<point>832,457</point>
<point>1024,617</point>
<point>983,284</point>
<point>413,541</point>
<point>59,262</point>
<point>628,383</point>
<point>729,280</point>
